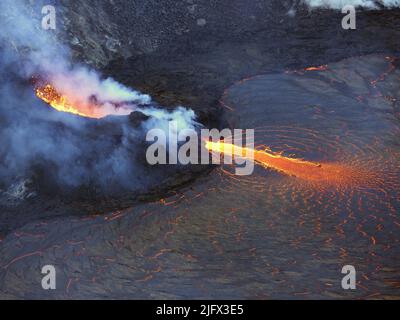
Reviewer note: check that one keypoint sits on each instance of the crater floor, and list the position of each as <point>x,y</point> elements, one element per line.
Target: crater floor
<point>263,236</point>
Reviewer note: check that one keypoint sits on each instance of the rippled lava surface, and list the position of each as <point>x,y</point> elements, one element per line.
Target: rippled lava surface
<point>261,236</point>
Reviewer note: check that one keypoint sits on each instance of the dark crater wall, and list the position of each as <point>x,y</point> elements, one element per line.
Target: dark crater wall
<point>189,51</point>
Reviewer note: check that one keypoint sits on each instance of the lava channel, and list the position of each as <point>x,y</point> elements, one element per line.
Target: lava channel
<point>321,173</point>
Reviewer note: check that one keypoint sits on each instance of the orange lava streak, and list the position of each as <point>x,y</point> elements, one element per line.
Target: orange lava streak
<point>60,102</point>
<point>328,173</point>
<point>320,68</point>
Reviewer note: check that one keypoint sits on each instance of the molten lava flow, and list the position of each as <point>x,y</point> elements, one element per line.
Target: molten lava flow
<point>319,68</point>
<point>330,173</point>
<point>60,102</point>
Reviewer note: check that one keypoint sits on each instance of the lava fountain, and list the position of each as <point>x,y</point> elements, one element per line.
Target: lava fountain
<point>88,105</point>
<point>60,102</point>
<point>321,173</point>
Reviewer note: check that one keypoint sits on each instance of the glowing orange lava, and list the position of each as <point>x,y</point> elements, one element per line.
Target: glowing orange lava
<point>319,68</point>
<point>328,173</point>
<point>60,102</point>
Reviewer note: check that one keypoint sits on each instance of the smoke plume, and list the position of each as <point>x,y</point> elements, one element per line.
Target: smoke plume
<point>339,4</point>
<point>59,149</point>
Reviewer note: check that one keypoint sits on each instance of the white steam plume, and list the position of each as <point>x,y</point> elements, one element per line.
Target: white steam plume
<point>339,4</point>
<point>66,150</point>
